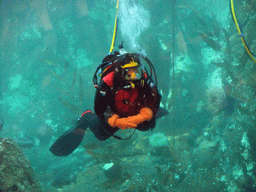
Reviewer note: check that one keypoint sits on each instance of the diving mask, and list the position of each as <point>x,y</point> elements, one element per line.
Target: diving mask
<point>132,71</point>
<point>131,74</point>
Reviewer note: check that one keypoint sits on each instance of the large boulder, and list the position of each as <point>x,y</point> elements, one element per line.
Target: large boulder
<point>16,173</point>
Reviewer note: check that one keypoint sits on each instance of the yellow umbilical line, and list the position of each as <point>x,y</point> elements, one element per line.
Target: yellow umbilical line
<point>239,31</point>
<point>115,28</point>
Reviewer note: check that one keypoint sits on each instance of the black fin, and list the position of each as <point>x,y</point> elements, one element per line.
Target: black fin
<point>67,142</point>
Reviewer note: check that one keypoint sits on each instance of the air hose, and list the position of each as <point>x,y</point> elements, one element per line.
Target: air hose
<point>240,32</point>
<point>115,28</point>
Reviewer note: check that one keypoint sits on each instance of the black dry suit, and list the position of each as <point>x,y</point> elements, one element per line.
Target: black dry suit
<point>111,99</point>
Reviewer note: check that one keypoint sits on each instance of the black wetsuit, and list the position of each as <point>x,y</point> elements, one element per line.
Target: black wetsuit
<point>104,98</point>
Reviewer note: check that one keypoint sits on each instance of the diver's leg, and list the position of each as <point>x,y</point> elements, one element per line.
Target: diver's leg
<point>100,128</point>
<point>72,138</point>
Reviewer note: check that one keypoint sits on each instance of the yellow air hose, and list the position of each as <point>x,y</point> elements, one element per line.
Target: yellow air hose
<point>240,33</point>
<point>115,28</point>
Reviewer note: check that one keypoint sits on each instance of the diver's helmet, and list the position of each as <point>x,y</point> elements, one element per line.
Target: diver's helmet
<point>130,73</point>
<point>131,70</point>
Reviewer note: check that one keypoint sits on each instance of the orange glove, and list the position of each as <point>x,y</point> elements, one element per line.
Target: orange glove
<point>112,120</point>
<point>145,114</point>
<point>122,123</point>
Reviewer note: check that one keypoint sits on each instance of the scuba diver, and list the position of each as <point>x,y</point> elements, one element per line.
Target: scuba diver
<point>126,98</point>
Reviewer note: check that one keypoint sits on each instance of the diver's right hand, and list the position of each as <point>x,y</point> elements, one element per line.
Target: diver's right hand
<point>112,120</point>
<point>121,123</point>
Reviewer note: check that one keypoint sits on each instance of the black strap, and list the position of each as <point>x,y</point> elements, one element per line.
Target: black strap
<point>120,138</point>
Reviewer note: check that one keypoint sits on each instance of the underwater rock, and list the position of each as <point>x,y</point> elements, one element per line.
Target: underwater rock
<point>215,99</point>
<point>63,177</point>
<point>160,144</point>
<point>16,173</point>
<point>158,140</point>
<point>112,170</point>
<point>64,172</point>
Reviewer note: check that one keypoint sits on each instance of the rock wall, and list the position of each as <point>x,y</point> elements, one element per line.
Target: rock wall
<point>16,173</point>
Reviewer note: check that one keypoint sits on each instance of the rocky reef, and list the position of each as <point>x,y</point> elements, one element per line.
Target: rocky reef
<point>16,173</point>
<point>221,158</point>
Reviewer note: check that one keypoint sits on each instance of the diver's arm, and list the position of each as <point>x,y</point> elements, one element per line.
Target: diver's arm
<point>152,96</point>
<point>102,98</point>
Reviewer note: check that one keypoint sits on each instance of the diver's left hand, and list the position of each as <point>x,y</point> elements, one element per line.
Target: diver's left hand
<point>145,114</point>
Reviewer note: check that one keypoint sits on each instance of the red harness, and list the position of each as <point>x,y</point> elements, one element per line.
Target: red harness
<point>127,101</point>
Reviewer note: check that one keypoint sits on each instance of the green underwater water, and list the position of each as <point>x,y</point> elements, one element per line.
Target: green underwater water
<point>49,51</point>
